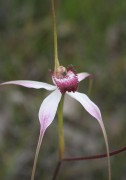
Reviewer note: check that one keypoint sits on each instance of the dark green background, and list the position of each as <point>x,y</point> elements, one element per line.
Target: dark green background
<point>92,37</point>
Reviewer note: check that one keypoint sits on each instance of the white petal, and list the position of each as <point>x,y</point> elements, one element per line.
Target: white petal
<point>82,76</point>
<point>92,109</point>
<point>32,84</point>
<point>48,109</point>
<point>47,113</point>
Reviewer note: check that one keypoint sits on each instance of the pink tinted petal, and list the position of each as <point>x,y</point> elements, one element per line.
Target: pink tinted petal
<point>92,109</point>
<point>32,84</point>
<point>47,113</point>
<point>82,76</point>
<point>48,109</point>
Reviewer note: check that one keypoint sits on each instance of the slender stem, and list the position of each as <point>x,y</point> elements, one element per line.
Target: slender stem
<point>56,61</point>
<point>57,170</point>
<point>113,153</point>
<point>61,137</point>
<point>60,129</point>
<point>100,156</point>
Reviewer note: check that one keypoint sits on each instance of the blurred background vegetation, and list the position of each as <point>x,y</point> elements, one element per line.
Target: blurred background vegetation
<point>92,37</point>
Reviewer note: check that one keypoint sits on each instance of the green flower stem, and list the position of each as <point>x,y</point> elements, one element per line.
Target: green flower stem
<point>60,129</point>
<point>56,61</point>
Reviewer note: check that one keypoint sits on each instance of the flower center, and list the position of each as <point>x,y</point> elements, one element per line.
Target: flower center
<point>66,79</point>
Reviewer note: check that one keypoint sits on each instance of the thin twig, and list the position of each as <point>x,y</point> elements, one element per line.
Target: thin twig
<point>96,156</point>
<point>85,158</point>
<point>57,170</point>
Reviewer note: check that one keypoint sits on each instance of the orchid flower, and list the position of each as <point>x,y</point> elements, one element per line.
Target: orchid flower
<point>65,81</point>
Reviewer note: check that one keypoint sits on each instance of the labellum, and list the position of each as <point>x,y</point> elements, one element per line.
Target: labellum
<point>66,79</point>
